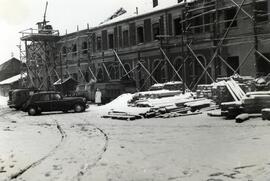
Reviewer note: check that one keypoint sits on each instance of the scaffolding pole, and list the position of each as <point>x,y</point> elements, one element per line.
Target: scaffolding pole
<point>147,72</point>
<point>221,42</point>
<point>121,63</point>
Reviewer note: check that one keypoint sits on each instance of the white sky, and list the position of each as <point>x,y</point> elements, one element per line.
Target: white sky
<point>17,15</point>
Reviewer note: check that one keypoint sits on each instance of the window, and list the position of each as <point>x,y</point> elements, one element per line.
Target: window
<point>197,23</point>
<point>128,69</point>
<point>84,47</point>
<point>64,51</point>
<point>261,10</point>
<point>75,76</point>
<point>155,3</point>
<point>228,17</point>
<point>98,43</point>
<point>74,49</point>
<point>44,97</point>
<point>156,31</point>
<point>86,76</point>
<point>207,21</point>
<point>140,35</point>
<point>234,63</point>
<point>125,38</point>
<point>111,43</point>
<point>56,97</point>
<point>177,26</point>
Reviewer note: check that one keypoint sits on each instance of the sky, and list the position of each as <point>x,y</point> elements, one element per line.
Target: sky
<point>64,15</point>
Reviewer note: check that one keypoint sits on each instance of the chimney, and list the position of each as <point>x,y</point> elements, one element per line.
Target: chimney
<point>155,3</point>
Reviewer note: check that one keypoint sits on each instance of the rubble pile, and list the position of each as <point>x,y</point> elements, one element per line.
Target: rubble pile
<point>161,104</point>
<point>243,98</point>
<point>234,95</point>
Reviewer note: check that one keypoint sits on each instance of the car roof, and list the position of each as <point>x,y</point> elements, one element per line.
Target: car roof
<point>47,92</point>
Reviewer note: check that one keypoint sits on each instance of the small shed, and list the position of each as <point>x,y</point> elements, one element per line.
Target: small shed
<point>66,86</point>
<point>10,83</point>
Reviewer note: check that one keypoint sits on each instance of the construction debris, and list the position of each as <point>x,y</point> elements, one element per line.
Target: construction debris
<point>160,104</point>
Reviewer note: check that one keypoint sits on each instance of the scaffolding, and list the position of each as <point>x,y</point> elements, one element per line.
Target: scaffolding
<point>220,37</point>
<point>214,33</point>
<point>39,52</point>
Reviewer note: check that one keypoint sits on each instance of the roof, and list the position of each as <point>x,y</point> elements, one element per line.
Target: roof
<point>143,9</point>
<point>58,82</point>
<point>12,79</point>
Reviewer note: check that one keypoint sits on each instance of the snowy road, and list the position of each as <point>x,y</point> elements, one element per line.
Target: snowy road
<point>86,147</point>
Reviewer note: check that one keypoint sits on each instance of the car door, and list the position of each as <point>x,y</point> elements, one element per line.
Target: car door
<point>44,102</point>
<point>57,102</point>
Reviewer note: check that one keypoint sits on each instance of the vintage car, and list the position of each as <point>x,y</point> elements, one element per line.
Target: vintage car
<point>53,101</point>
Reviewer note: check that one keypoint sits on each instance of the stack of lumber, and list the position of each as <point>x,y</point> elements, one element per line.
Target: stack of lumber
<point>162,102</point>
<point>235,90</point>
<point>199,104</point>
<point>164,109</point>
<point>185,107</point>
<point>220,93</point>
<point>204,90</point>
<point>254,102</point>
<point>234,108</point>
<point>122,116</point>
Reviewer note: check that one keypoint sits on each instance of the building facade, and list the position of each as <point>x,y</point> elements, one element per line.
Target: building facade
<point>192,41</point>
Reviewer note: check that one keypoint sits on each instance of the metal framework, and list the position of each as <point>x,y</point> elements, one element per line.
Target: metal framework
<point>39,53</point>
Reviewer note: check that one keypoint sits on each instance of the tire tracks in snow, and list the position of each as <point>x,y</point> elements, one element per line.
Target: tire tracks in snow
<point>99,157</point>
<point>34,164</point>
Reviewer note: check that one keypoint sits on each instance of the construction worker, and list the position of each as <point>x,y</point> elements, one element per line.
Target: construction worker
<point>98,96</point>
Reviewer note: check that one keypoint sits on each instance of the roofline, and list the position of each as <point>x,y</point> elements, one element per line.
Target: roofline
<point>120,21</point>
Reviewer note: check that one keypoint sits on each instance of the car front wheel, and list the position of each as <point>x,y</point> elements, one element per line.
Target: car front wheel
<point>78,108</point>
<point>32,111</point>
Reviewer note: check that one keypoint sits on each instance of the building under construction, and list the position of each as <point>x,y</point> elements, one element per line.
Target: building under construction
<point>194,41</point>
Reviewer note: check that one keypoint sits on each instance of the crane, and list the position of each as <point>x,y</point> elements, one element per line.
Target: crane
<point>42,26</point>
<point>44,17</point>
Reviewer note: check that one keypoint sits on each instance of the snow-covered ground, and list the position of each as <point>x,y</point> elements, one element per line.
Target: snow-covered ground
<point>84,146</point>
<point>3,101</point>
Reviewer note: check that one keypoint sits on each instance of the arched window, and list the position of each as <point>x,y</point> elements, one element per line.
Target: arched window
<point>112,72</point>
<point>130,74</point>
<point>199,69</point>
<point>178,65</point>
<point>100,76</point>
<point>157,65</point>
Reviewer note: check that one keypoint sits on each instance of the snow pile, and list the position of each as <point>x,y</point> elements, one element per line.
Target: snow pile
<point>120,102</point>
<point>166,101</point>
<point>3,101</point>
